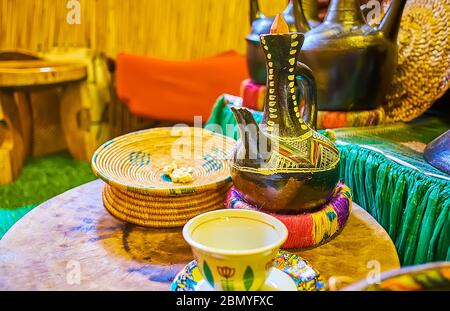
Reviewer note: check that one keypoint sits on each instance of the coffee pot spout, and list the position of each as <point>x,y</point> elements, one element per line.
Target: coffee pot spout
<point>255,144</point>
<point>390,24</point>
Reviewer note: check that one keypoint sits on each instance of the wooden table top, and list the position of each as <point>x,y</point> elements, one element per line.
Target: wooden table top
<point>26,73</point>
<point>71,243</point>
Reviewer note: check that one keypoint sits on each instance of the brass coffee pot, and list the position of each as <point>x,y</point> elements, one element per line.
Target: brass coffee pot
<point>353,62</point>
<point>283,165</point>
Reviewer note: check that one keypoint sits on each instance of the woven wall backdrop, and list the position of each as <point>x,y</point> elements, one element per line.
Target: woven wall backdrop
<point>191,29</point>
<point>172,29</point>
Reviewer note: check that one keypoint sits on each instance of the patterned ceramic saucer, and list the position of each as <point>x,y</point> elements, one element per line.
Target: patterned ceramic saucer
<point>291,272</point>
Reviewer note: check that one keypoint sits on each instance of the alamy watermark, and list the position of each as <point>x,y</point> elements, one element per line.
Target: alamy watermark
<point>73,16</point>
<point>374,11</point>
<point>373,276</point>
<point>73,272</point>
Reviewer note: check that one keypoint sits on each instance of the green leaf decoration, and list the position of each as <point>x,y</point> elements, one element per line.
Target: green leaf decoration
<point>208,274</point>
<point>248,278</point>
<point>166,178</point>
<point>227,285</point>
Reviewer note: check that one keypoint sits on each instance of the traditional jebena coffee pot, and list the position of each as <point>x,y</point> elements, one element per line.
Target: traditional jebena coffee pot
<point>283,165</point>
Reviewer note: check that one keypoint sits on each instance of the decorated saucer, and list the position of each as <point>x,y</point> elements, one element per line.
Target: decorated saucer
<point>290,273</point>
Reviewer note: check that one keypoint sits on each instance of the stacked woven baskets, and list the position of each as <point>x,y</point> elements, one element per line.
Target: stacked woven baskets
<point>138,191</point>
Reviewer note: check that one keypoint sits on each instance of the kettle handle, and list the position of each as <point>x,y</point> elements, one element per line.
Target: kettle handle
<point>307,90</point>
<point>255,12</point>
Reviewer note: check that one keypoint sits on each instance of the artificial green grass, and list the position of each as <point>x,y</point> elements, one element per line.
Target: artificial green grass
<point>40,180</point>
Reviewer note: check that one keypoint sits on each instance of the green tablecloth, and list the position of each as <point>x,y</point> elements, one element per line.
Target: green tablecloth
<point>384,167</point>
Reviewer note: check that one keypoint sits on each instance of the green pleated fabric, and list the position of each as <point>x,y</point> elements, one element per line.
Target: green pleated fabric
<point>8,217</point>
<point>397,187</point>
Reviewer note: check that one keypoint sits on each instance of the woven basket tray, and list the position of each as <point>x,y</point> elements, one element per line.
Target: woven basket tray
<point>163,209</point>
<point>134,162</point>
<point>139,215</point>
<point>180,199</point>
<point>423,70</point>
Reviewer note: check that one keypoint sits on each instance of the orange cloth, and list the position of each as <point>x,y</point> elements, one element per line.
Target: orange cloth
<point>177,90</point>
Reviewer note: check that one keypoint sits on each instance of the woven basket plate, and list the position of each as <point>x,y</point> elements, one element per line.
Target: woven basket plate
<point>423,70</point>
<point>134,162</point>
<point>167,200</point>
<point>168,208</point>
<point>155,221</point>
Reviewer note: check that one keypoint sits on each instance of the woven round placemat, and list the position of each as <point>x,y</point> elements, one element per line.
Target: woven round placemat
<point>134,162</point>
<point>148,220</point>
<point>308,230</point>
<point>142,222</point>
<point>179,199</point>
<point>143,215</point>
<point>174,208</point>
<point>423,70</point>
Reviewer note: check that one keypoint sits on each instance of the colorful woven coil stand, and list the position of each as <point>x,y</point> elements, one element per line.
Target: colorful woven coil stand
<point>312,229</point>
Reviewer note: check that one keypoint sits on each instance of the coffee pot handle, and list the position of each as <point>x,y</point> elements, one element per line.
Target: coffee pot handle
<point>307,91</point>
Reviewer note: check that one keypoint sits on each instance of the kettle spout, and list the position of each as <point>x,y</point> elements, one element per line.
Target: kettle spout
<point>390,24</point>
<point>255,12</point>
<point>255,145</point>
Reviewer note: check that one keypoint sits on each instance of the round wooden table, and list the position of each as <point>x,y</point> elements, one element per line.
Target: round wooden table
<point>71,243</point>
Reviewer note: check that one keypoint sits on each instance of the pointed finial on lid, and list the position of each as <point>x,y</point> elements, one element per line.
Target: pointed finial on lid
<point>279,25</point>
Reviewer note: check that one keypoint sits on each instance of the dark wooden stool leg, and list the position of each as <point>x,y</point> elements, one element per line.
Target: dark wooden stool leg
<point>22,102</point>
<point>47,131</point>
<point>75,119</point>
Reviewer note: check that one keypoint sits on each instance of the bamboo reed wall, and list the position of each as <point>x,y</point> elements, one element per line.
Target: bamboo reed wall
<point>173,29</point>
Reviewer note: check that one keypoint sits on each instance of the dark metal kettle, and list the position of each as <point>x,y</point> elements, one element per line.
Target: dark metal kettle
<point>353,62</point>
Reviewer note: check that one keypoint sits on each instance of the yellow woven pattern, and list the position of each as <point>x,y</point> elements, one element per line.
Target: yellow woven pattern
<point>170,205</point>
<point>323,227</point>
<point>424,59</point>
<point>159,216</point>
